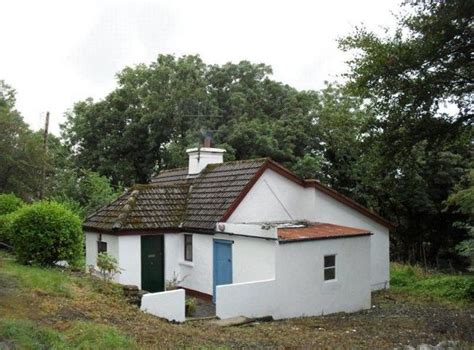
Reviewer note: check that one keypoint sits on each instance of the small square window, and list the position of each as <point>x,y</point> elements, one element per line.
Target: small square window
<point>101,247</point>
<point>188,247</point>
<point>329,267</point>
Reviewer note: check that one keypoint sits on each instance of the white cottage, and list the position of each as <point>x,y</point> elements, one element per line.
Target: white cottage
<point>251,235</point>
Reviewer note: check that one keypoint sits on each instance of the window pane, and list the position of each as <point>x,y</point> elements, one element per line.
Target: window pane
<point>329,261</point>
<point>330,274</point>
<point>101,247</point>
<point>188,247</point>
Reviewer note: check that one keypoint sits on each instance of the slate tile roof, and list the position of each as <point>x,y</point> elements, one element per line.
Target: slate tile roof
<point>315,231</point>
<point>173,200</point>
<point>172,176</point>
<point>214,191</point>
<point>143,207</point>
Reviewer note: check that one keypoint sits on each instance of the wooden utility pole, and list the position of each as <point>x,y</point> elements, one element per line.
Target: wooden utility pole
<point>45,153</point>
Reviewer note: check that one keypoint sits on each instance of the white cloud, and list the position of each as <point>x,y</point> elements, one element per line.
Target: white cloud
<point>55,53</point>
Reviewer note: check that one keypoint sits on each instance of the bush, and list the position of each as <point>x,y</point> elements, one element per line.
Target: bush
<point>190,306</point>
<point>6,226</point>
<point>9,203</point>
<point>45,233</point>
<point>454,288</point>
<point>108,266</point>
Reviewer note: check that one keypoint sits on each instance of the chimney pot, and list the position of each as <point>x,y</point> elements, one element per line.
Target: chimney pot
<point>207,142</point>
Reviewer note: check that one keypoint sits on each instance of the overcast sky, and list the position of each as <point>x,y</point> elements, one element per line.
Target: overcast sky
<point>55,53</point>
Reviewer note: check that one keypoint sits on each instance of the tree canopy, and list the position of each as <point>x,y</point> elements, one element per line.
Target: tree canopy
<point>396,135</point>
<point>419,83</point>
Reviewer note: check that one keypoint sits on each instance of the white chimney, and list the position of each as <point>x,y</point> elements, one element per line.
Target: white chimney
<point>199,158</point>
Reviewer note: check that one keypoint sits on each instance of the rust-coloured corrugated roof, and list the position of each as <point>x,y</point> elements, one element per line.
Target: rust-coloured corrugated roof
<point>315,231</point>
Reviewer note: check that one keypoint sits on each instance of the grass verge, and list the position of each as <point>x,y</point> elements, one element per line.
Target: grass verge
<point>24,334</point>
<point>442,287</point>
<point>47,280</point>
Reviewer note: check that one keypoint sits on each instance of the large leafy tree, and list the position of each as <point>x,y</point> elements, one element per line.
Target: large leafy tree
<point>419,83</point>
<point>21,152</point>
<point>159,110</point>
<point>124,136</point>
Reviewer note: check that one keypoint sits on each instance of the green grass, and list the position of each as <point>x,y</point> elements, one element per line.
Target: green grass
<point>439,286</point>
<point>82,336</point>
<point>25,335</point>
<point>48,280</point>
<point>53,283</point>
<point>87,335</point>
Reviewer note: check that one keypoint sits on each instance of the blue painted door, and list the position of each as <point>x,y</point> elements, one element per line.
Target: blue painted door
<point>222,271</point>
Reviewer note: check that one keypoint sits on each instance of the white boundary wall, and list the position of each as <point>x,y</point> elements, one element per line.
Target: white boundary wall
<point>275,198</point>
<point>250,299</point>
<point>299,288</point>
<point>169,305</point>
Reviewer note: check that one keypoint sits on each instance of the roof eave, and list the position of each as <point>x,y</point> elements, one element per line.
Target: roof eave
<point>296,240</point>
<point>130,232</point>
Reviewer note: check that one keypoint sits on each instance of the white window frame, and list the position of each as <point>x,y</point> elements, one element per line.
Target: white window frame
<point>332,267</point>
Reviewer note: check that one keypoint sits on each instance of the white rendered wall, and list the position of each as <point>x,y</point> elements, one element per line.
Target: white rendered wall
<point>299,288</point>
<point>127,251</point>
<point>327,209</point>
<point>275,198</point>
<point>198,273</point>
<point>249,299</point>
<point>91,248</point>
<point>252,259</point>
<point>300,277</point>
<point>129,260</point>
<point>169,305</point>
<point>172,250</point>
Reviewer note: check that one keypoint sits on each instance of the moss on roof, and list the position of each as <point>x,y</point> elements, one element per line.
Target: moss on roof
<point>172,200</point>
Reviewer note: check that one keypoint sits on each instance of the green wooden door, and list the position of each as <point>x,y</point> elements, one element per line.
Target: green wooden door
<point>153,263</point>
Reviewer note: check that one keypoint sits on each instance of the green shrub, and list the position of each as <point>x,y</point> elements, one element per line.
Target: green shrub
<point>9,203</point>
<point>6,226</point>
<point>45,233</point>
<point>403,275</point>
<point>452,288</point>
<point>108,266</point>
<point>444,287</point>
<point>190,306</point>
